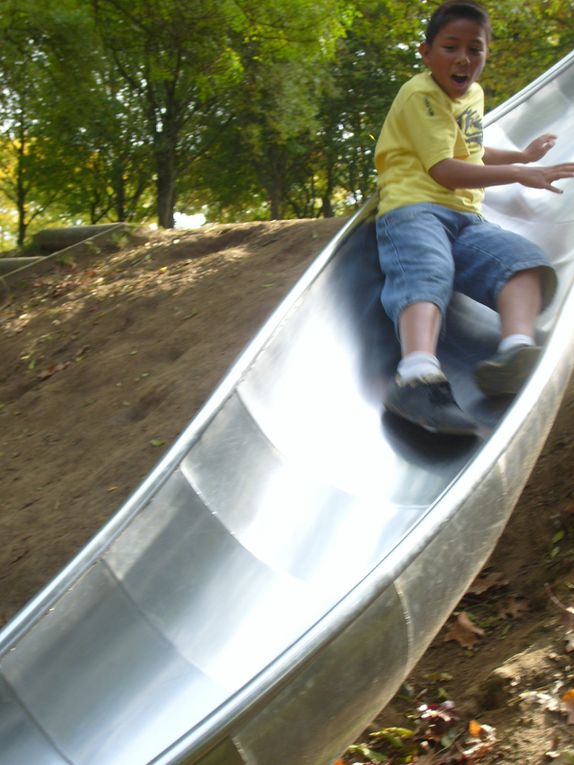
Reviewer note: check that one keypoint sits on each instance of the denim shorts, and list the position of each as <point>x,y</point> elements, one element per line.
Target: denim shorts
<point>426,251</point>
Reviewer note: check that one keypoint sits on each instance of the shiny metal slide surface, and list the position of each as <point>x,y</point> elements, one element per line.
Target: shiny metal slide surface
<point>290,559</point>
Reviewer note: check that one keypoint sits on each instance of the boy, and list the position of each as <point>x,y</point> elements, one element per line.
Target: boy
<point>432,170</point>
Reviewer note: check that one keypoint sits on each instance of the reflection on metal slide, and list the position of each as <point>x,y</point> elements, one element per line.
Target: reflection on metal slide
<point>269,586</point>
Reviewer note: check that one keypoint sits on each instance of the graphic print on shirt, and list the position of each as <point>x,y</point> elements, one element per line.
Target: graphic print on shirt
<point>470,122</point>
<point>427,103</point>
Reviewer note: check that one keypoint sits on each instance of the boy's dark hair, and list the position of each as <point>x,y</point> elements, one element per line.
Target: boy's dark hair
<point>452,10</point>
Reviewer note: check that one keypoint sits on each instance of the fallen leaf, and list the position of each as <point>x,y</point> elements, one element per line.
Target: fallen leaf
<point>474,728</point>
<point>512,607</point>
<point>394,736</point>
<point>540,697</point>
<point>81,352</point>
<point>465,632</point>
<point>481,742</point>
<point>567,619</point>
<point>568,699</point>
<point>438,677</point>
<point>157,441</point>
<point>440,719</point>
<point>364,751</point>
<point>486,582</point>
<point>46,373</point>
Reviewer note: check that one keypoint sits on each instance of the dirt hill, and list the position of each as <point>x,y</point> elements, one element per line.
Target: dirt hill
<point>104,362</point>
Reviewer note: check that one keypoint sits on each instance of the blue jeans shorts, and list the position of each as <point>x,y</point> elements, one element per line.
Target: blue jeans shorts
<point>426,251</point>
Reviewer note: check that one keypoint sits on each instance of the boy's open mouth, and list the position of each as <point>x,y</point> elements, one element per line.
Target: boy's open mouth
<point>460,78</point>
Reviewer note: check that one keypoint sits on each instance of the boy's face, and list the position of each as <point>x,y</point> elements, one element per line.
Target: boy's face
<point>457,56</point>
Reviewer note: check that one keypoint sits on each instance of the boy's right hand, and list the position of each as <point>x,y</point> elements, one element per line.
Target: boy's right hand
<point>544,177</point>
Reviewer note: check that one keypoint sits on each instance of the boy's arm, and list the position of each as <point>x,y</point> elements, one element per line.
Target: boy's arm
<point>532,153</point>
<point>499,171</point>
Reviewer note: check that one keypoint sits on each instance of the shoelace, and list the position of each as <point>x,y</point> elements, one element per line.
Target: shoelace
<point>440,393</point>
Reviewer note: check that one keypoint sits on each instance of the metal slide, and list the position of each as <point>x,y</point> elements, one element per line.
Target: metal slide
<point>267,589</point>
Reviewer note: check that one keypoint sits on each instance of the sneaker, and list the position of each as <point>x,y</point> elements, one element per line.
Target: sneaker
<point>504,373</point>
<point>429,403</point>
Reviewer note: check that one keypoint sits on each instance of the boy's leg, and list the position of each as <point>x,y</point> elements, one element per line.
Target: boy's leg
<point>415,256</point>
<point>420,391</point>
<point>519,303</point>
<point>513,276</point>
<point>419,328</point>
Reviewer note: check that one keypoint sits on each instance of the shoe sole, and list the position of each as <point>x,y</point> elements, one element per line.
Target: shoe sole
<point>447,430</point>
<point>506,378</point>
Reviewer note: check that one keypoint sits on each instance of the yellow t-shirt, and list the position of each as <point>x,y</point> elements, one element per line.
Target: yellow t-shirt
<point>423,127</point>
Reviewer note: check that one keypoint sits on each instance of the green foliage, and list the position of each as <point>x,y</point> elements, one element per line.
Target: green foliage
<point>374,60</point>
<point>528,38</point>
<point>131,109</point>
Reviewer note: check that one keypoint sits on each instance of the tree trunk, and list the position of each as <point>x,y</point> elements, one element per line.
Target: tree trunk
<point>21,191</point>
<point>22,227</point>
<point>326,206</point>
<point>166,185</point>
<point>119,187</point>
<point>275,203</point>
<point>275,196</point>
<point>271,173</point>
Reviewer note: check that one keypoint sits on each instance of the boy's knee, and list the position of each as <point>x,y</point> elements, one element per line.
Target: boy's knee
<point>541,279</point>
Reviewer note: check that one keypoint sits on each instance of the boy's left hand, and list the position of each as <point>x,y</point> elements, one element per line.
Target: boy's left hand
<point>539,147</point>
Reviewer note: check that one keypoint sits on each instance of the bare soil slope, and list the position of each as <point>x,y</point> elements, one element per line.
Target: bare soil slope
<point>104,362</point>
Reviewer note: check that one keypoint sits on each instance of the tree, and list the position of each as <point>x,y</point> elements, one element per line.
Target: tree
<point>25,88</point>
<point>529,37</point>
<point>70,139</point>
<point>107,161</point>
<point>372,62</point>
<point>179,58</point>
<point>172,56</point>
<point>113,109</point>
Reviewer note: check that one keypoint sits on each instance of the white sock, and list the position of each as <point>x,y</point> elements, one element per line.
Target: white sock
<point>418,364</point>
<point>513,341</point>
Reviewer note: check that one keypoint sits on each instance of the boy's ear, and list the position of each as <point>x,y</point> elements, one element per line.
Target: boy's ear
<point>424,50</point>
